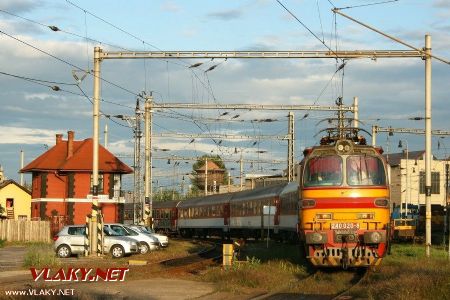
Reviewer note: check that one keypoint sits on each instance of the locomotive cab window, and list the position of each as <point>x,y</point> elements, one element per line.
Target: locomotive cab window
<point>323,171</point>
<point>365,170</point>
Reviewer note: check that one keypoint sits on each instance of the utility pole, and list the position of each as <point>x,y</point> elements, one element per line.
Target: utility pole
<point>137,163</point>
<point>148,161</point>
<point>446,206</point>
<point>355,112</point>
<point>241,172</point>
<point>291,141</point>
<point>428,144</point>
<point>21,166</point>
<point>106,136</point>
<point>96,114</point>
<point>408,182</point>
<point>206,176</point>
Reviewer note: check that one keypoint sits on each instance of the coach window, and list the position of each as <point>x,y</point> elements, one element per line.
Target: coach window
<point>323,171</point>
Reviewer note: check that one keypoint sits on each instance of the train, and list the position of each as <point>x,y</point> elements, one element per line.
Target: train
<point>344,204</point>
<point>240,214</point>
<point>338,211</point>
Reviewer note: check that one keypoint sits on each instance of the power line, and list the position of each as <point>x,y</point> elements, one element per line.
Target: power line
<point>68,63</point>
<point>368,4</point>
<point>306,27</point>
<point>112,25</point>
<point>35,79</point>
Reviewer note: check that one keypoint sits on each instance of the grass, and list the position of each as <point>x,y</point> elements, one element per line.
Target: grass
<point>405,274</point>
<point>40,255</point>
<point>2,243</point>
<point>408,274</point>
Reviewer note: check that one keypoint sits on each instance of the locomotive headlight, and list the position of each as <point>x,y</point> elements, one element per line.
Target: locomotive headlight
<point>316,238</point>
<point>324,216</point>
<point>365,216</point>
<point>374,237</point>
<point>308,203</point>
<point>381,202</point>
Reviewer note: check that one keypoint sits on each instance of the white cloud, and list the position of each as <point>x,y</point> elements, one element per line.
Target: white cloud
<point>171,6</point>
<point>22,135</point>
<point>41,96</point>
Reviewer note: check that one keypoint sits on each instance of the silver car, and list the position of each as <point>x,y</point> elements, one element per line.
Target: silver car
<point>162,239</point>
<point>71,240</point>
<point>146,243</point>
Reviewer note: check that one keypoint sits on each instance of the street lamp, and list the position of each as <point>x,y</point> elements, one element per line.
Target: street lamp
<point>408,189</point>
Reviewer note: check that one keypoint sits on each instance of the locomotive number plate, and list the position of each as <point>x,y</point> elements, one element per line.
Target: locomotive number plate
<point>336,226</point>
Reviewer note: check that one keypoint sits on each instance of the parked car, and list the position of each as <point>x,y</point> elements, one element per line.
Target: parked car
<point>71,240</point>
<point>146,242</point>
<point>162,239</point>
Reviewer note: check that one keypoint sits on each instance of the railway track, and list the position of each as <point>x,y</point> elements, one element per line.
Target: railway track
<point>360,277</point>
<point>194,262</point>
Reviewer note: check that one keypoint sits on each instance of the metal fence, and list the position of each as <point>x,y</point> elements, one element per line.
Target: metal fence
<point>25,231</point>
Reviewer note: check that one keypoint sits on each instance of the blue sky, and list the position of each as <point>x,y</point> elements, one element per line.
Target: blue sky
<point>390,90</point>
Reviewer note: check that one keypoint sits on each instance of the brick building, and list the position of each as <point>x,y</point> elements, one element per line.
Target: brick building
<point>62,182</point>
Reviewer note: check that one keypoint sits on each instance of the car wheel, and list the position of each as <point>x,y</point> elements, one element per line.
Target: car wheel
<point>63,251</point>
<point>117,251</point>
<point>144,248</point>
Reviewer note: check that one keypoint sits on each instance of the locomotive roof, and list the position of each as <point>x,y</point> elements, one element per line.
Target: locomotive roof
<point>165,204</point>
<point>212,199</point>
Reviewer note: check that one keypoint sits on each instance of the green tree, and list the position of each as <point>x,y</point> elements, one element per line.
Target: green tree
<point>197,181</point>
<point>167,195</point>
<point>2,216</point>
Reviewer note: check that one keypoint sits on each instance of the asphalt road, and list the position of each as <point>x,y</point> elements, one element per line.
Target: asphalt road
<point>11,258</point>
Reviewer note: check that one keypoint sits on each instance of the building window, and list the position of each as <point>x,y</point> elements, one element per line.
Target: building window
<point>100,184</point>
<point>435,183</point>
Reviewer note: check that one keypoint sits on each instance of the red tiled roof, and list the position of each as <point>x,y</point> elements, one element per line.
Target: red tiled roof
<point>211,166</point>
<point>81,160</point>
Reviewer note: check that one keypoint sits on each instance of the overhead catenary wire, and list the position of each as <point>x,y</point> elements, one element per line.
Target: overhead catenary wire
<point>368,4</point>
<point>67,62</point>
<point>307,28</point>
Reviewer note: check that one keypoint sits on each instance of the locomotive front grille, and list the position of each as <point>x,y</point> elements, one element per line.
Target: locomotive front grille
<point>357,257</point>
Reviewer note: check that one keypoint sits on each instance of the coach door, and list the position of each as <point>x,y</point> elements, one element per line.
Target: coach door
<point>226,214</point>
<point>276,219</point>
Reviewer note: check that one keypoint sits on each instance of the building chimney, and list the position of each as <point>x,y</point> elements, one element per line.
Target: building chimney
<point>58,138</point>
<point>70,135</point>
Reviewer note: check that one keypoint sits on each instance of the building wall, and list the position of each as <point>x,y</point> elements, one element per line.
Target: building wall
<point>82,185</point>
<point>76,208</point>
<point>22,200</point>
<point>409,192</point>
<point>56,185</point>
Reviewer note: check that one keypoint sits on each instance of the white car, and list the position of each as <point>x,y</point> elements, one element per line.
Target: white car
<point>146,242</point>
<point>72,240</point>
<point>163,239</point>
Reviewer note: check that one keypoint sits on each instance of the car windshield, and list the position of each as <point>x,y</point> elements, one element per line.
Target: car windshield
<point>323,171</point>
<point>130,231</point>
<point>146,230</point>
<point>120,230</point>
<point>365,170</point>
<point>109,232</point>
